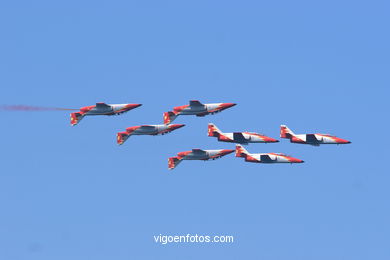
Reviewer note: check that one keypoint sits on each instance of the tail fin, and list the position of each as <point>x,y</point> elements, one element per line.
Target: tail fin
<point>121,137</point>
<point>241,151</point>
<point>169,117</point>
<point>285,132</point>
<point>75,118</point>
<point>173,162</point>
<point>213,130</point>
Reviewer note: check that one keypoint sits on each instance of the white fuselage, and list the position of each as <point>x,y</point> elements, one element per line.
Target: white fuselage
<point>106,110</point>
<point>202,156</point>
<point>319,139</point>
<point>150,129</point>
<point>194,110</point>
<point>275,158</point>
<point>248,138</point>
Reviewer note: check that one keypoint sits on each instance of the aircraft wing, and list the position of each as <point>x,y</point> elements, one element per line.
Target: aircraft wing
<point>102,105</point>
<point>239,137</point>
<point>311,138</point>
<point>265,158</point>
<point>198,151</point>
<point>195,103</point>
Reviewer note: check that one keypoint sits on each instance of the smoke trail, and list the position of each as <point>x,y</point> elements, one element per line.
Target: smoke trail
<point>31,108</point>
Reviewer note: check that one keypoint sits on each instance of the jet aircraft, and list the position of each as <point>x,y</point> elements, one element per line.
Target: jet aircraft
<point>146,130</point>
<point>239,137</point>
<point>100,109</point>
<point>265,157</point>
<point>195,108</point>
<point>197,154</point>
<point>312,139</point>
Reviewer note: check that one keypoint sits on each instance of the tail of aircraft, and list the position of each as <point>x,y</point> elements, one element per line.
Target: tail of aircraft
<point>121,137</point>
<point>285,132</point>
<point>173,162</point>
<point>241,151</point>
<point>75,118</point>
<point>169,117</point>
<point>213,130</point>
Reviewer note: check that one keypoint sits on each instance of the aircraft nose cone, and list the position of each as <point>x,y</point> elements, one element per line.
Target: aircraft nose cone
<point>343,141</point>
<point>177,126</point>
<point>269,139</point>
<point>134,105</point>
<point>227,105</point>
<point>295,160</point>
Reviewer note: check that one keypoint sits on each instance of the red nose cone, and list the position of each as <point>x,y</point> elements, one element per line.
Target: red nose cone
<point>271,140</point>
<point>295,160</point>
<point>176,126</point>
<point>228,105</point>
<point>132,106</point>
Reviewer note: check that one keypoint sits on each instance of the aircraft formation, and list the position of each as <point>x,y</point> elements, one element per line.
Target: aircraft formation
<point>198,109</point>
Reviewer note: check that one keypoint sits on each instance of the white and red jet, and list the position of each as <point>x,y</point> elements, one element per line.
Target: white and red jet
<point>146,130</point>
<point>312,139</point>
<point>195,108</point>
<point>265,157</point>
<point>100,109</point>
<point>197,154</point>
<point>239,137</point>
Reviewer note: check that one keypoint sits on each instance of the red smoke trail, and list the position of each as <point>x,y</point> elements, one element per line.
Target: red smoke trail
<point>30,108</point>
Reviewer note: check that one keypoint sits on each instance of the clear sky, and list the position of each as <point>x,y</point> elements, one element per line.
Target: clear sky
<point>73,193</point>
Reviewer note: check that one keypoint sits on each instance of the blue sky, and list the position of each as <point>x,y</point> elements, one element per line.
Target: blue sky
<point>72,193</point>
